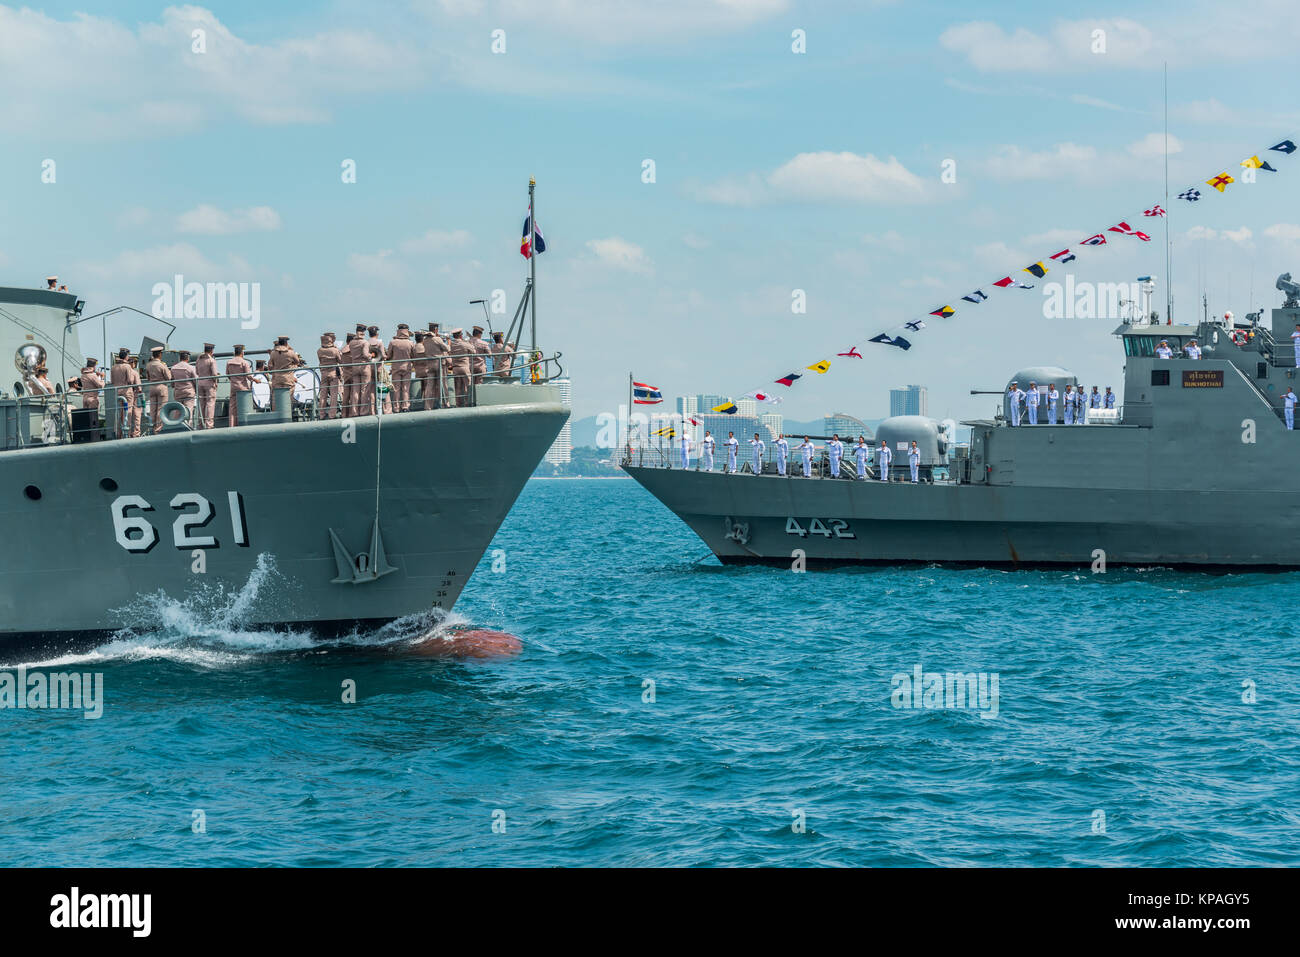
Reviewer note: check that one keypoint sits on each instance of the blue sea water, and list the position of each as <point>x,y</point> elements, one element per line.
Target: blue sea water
<point>772,737</point>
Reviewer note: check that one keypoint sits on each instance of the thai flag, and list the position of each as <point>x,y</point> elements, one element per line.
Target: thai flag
<point>643,394</point>
<point>525,242</point>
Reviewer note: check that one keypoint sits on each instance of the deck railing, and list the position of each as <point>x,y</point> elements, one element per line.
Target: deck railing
<point>36,420</point>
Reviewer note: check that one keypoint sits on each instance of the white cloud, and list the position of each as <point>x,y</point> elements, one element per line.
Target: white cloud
<point>160,263</point>
<point>1286,232</point>
<point>1068,47</point>
<point>437,241</point>
<point>1153,145</point>
<point>1084,100</point>
<point>210,221</point>
<point>620,254</point>
<point>1065,159</point>
<point>822,177</point>
<point>1242,236</point>
<point>377,265</point>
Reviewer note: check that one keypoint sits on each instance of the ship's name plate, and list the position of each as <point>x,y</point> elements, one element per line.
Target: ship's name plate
<point>1202,378</point>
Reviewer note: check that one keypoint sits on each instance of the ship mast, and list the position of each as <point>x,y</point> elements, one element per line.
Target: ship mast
<point>532,259</point>
<point>1169,254</point>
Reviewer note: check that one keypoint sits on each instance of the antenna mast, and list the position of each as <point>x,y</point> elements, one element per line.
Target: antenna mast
<point>1169,255</point>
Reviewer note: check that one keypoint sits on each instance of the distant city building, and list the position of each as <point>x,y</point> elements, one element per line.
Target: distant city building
<point>774,422</point>
<point>689,404</point>
<point>561,451</point>
<point>910,400</point>
<point>748,407</point>
<point>845,426</point>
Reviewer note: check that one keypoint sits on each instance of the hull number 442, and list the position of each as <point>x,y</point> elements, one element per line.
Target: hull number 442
<point>828,528</point>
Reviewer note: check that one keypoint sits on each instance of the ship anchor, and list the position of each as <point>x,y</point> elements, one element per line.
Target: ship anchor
<point>363,567</point>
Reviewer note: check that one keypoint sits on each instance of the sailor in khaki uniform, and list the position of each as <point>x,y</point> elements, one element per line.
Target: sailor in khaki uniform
<point>328,358</point>
<point>436,348</point>
<point>478,363</point>
<point>157,374</point>
<point>400,352</point>
<point>500,359</point>
<point>239,373</point>
<point>183,376</point>
<point>205,369</point>
<point>91,383</point>
<point>461,352</point>
<point>363,379</point>
<point>282,363</point>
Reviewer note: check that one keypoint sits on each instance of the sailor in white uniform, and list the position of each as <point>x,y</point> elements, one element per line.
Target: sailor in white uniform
<point>1080,406</point>
<point>860,453</point>
<point>806,450</point>
<point>782,453</point>
<point>1192,350</point>
<point>914,462</point>
<point>1289,400</point>
<point>706,451</point>
<point>732,445</point>
<point>1014,398</point>
<point>1108,400</point>
<point>1031,403</point>
<point>1295,341</point>
<point>686,449</point>
<point>1162,351</point>
<point>759,447</point>
<point>1052,398</point>
<point>836,449</point>
<point>1069,405</point>
<point>883,458</point>
<point>1094,399</point>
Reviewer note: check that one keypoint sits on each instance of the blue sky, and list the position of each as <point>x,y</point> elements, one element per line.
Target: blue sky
<point>775,171</point>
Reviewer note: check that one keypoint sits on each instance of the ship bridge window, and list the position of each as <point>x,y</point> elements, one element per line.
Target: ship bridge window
<point>1140,346</point>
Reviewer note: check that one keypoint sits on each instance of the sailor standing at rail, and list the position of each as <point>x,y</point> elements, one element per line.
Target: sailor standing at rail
<point>706,451</point>
<point>914,461</point>
<point>1108,400</point>
<point>806,449</point>
<point>1288,401</point>
<point>732,445</point>
<point>1014,397</point>
<point>1094,399</point>
<point>883,459</point>
<point>1052,398</point>
<point>686,448</point>
<point>1295,343</point>
<point>782,453</point>
<point>1192,350</point>
<point>860,453</point>
<point>1162,351</point>
<point>1031,402</point>
<point>157,373</point>
<point>836,449</point>
<point>759,447</point>
<point>1068,405</point>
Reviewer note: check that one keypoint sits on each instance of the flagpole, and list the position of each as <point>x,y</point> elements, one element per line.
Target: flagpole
<point>1169,253</point>
<point>532,260</point>
<point>627,445</point>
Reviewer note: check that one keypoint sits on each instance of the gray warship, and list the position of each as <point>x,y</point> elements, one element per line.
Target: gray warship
<point>1192,468</point>
<point>362,520</point>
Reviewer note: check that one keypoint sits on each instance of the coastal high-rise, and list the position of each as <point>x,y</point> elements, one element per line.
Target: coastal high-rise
<point>561,450</point>
<point>910,400</point>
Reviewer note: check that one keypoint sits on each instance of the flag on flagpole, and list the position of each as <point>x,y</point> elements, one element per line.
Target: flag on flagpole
<point>525,243</point>
<point>643,394</point>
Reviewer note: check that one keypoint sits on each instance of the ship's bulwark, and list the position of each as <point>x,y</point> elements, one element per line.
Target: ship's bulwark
<point>446,480</point>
